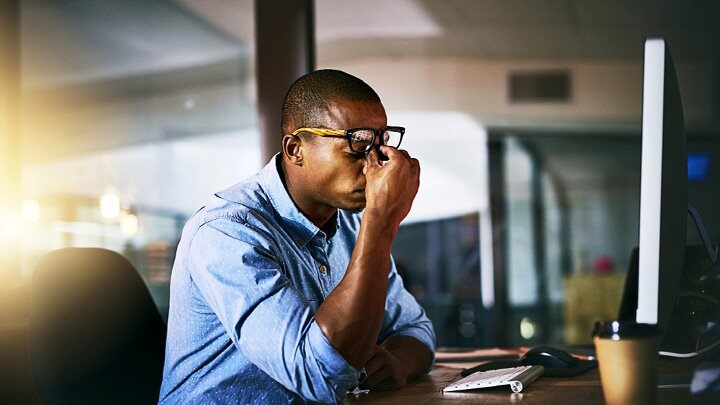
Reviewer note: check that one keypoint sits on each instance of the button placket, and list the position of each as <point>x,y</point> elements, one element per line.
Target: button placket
<point>322,267</point>
<point>322,256</point>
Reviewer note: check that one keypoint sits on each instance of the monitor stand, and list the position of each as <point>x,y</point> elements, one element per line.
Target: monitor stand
<point>712,251</point>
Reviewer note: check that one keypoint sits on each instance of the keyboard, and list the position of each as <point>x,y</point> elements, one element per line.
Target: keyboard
<point>516,377</point>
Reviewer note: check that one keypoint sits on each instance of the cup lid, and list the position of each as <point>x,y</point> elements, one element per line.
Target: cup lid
<point>625,330</point>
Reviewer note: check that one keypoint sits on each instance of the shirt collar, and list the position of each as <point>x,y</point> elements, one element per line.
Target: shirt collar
<point>298,224</point>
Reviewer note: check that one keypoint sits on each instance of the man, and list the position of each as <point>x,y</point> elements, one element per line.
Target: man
<point>281,291</point>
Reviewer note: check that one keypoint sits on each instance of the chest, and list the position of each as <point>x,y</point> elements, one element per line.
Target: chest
<point>315,268</point>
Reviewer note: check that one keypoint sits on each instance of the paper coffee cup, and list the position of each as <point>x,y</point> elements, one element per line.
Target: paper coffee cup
<point>627,354</point>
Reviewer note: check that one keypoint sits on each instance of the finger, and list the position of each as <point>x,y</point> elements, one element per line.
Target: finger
<point>372,161</point>
<point>375,363</point>
<point>404,154</point>
<point>390,152</point>
<point>413,162</point>
<point>381,375</point>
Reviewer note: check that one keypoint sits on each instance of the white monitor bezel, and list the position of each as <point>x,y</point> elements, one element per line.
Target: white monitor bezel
<point>651,182</point>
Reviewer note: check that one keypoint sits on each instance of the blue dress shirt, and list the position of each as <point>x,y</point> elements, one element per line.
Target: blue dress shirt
<point>250,272</point>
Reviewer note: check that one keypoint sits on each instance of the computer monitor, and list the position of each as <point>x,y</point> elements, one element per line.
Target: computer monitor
<point>663,189</point>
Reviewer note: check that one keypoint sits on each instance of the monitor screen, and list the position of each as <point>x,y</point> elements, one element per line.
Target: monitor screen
<point>697,164</point>
<point>663,188</point>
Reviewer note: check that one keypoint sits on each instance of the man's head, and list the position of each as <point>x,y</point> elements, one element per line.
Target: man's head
<point>329,173</point>
<point>307,99</point>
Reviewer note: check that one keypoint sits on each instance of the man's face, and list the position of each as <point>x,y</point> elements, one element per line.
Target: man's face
<point>332,172</point>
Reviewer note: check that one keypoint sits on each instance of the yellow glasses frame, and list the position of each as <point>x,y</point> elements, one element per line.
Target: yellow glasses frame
<point>347,133</point>
<point>336,133</point>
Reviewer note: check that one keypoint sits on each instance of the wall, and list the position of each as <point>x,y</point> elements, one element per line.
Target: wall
<point>606,94</point>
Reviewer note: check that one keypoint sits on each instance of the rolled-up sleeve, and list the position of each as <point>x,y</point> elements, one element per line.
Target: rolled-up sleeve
<point>235,267</point>
<point>403,315</point>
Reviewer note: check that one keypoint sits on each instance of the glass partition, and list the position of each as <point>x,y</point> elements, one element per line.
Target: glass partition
<point>135,112</point>
<point>558,92</point>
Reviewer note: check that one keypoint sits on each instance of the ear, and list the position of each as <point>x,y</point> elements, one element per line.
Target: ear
<point>292,149</point>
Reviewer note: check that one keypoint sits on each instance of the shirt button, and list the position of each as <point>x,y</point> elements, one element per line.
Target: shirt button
<point>323,269</point>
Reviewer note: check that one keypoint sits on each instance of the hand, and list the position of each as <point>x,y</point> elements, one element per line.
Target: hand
<point>385,371</point>
<point>391,186</point>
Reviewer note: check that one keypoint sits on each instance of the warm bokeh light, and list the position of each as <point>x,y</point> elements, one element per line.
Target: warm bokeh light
<point>9,229</point>
<point>30,210</point>
<point>129,225</point>
<point>110,205</point>
<point>9,224</point>
<point>527,328</point>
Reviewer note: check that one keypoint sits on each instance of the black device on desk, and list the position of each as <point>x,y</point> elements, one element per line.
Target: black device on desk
<point>548,357</point>
<point>557,363</point>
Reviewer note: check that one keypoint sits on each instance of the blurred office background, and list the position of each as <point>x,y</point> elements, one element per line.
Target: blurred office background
<point>526,117</point>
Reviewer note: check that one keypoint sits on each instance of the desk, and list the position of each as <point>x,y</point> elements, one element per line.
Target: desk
<point>582,389</point>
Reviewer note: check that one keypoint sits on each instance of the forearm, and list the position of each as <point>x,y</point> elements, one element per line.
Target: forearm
<point>352,314</point>
<point>414,354</point>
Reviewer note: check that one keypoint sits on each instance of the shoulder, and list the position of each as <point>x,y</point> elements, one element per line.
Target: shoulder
<point>240,211</point>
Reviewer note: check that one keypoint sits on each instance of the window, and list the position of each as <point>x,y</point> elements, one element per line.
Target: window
<point>135,113</point>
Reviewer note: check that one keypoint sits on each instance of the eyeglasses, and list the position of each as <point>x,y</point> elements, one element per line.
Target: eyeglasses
<point>361,140</point>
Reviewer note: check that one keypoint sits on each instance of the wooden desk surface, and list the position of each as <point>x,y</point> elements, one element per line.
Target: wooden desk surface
<point>582,389</point>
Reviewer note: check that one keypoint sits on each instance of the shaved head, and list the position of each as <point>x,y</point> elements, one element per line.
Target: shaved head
<point>307,100</point>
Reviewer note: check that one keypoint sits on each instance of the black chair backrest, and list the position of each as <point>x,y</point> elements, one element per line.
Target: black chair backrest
<point>96,335</point>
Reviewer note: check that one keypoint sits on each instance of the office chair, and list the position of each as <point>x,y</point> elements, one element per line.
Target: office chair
<point>95,334</point>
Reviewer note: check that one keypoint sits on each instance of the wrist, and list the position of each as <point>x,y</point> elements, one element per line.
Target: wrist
<point>411,352</point>
<point>380,222</point>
